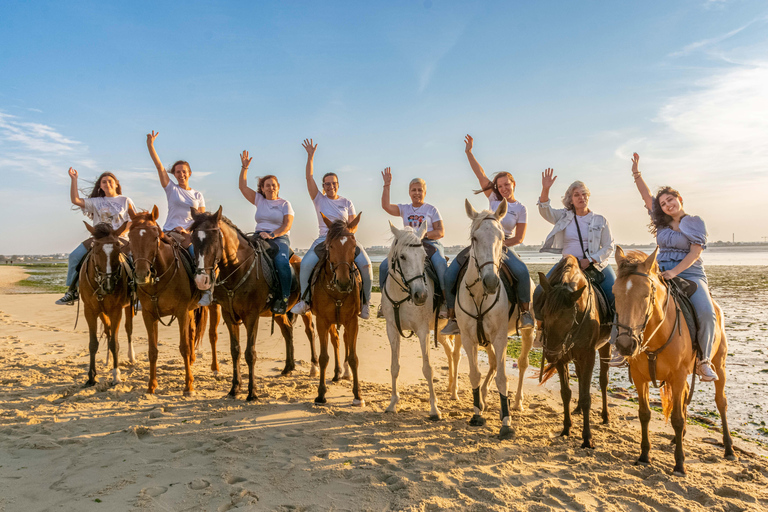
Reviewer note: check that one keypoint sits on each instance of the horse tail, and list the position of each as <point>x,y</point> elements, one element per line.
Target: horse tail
<point>201,317</point>
<point>667,400</point>
<point>547,373</point>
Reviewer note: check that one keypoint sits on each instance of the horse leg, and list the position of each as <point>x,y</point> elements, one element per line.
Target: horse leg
<point>251,329</point>
<point>679,386</point>
<point>192,333</point>
<point>286,328</point>
<point>500,347</point>
<point>522,367</point>
<point>309,330</point>
<point>491,371</point>
<point>644,412</point>
<point>394,367</point>
<point>323,332</point>
<point>151,325</point>
<point>234,348</point>
<point>470,347</point>
<point>114,347</point>
<point>577,366</point>
<point>565,396</point>
<point>426,369</point>
<point>129,333</point>
<point>91,317</point>
<point>453,355</point>
<point>586,368</point>
<point>214,315</point>
<point>720,399</point>
<point>187,350</point>
<point>334,336</point>
<point>605,356</point>
<point>350,347</point>
<point>347,373</point>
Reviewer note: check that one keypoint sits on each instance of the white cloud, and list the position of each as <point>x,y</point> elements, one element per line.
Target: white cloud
<point>704,43</point>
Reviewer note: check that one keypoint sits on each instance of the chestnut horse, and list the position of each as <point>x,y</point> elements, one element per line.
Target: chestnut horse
<point>241,289</point>
<point>650,327</point>
<point>164,288</point>
<point>336,301</point>
<point>572,332</point>
<point>105,290</point>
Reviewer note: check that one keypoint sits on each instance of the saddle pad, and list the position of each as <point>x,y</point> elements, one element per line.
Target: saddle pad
<point>686,306</point>
<point>604,308</point>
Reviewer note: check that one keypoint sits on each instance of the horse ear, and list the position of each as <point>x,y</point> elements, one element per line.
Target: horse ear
<point>352,225</point>
<point>575,295</point>
<point>422,230</point>
<point>471,212</point>
<point>650,260</point>
<point>88,227</point>
<point>218,214</point>
<point>544,282</point>
<point>131,212</point>
<point>501,211</point>
<point>194,211</point>
<point>119,231</point>
<point>393,229</point>
<point>326,220</point>
<point>620,257</point>
<point>155,213</point>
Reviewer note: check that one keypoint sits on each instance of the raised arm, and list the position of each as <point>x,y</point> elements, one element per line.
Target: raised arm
<point>547,180</point>
<point>311,185</point>
<point>161,172</point>
<point>642,187</point>
<point>476,167</point>
<point>247,191</point>
<point>390,208</point>
<point>74,194</point>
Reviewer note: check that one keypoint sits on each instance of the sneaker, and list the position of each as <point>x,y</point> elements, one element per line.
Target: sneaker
<point>443,311</point>
<point>526,320</point>
<point>365,312</point>
<point>706,372</point>
<point>379,312</point>
<point>280,306</point>
<point>617,360</point>
<point>68,299</point>
<point>538,341</point>
<point>206,299</point>
<point>451,328</point>
<point>300,308</point>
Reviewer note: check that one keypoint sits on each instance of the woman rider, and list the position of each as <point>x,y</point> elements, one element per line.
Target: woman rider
<point>334,207</point>
<point>590,240</point>
<point>514,223</point>
<point>180,198</point>
<point>414,215</point>
<point>681,239</point>
<point>105,204</point>
<point>274,218</point>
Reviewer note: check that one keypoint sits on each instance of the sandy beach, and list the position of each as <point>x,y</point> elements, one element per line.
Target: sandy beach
<point>65,447</point>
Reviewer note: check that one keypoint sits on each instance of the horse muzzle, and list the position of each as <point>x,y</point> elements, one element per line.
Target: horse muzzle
<point>626,345</point>
<point>490,283</point>
<point>203,282</point>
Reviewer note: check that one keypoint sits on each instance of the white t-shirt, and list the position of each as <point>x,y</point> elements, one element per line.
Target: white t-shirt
<point>179,202</point>
<point>571,244</point>
<point>415,217</point>
<point>516,214</point>
<point>334,209</point>
<point>271,212</point>
<point>109,210</point>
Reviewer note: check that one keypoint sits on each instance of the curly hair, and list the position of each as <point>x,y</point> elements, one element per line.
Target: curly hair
<point>98,192</point>
<point>568,197</point>
<point>493,185</point>
<point>659,219</point>
<point>263,180</point>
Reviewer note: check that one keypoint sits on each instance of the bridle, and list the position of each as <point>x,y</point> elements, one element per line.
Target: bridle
<point>398,277</point>
<point>568,340</point>
<point>334,285</point>
<point>105,280</point>
<point>636,334</point>
<point>154,279</point>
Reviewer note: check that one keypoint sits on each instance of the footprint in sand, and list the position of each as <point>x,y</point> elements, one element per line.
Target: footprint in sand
<point>199,484</point>
<point>232,480</point>
<point>154,492</point>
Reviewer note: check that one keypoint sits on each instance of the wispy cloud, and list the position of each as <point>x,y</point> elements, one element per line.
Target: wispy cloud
<point>704,43</point>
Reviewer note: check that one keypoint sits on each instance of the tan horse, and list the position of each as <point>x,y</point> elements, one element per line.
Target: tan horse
<point>105,292</point>
<point>651,327</point>
<point>164,288</point>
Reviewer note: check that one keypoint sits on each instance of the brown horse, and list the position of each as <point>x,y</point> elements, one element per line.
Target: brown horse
<point>651,328</point>
<point>241,289</point>
<point>572,332</point>
<point>164,288</point>
<point>336,301</point>
<point>105,292</point>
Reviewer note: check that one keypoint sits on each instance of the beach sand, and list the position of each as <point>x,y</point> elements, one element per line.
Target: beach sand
<point>65,447</point>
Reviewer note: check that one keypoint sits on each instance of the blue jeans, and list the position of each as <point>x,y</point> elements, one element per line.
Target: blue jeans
<point>606,286</point>
<point>362,261</point>
<point>702,302</point>
<point>437,259</point>
<point>75,258</point>
<point>282,262</point>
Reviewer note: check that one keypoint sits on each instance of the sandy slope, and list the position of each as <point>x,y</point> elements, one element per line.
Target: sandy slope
<point>64,447</point>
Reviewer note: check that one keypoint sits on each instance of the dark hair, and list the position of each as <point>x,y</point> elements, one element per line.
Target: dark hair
<point>493,185</point>
<point>263,180</point>
<point>329,174</point>
<point>659,219</point>
<point>182,162</point>
<point>97,192</point>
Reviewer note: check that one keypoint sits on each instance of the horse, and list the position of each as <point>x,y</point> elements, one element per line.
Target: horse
<point>407,303</point>
<point>482,312</point>
<point>572,332</point>
<point>658,345</point>
<point>241,289</point>
<point>336,301</point>
<point>105,289</point>
<point>164,288</point>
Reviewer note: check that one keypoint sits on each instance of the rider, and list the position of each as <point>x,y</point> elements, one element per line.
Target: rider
<point>414,215</point>
<point>681,239</point>
<point>180,198</point>
<point>334,207</point>
<point>274,218</point>
<point>105,204</point>
<point>590,240</point>
<point>515,222</point>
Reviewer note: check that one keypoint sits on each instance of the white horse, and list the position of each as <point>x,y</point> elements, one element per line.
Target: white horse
<point>482,309</point>
<point>407,304</point>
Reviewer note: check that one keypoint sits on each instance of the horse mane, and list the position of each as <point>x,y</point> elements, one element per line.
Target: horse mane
<point>632,260</point>
<point>337,230</point>
<point>565,267</point>
<point>559,295</point>
<point>207,216</point>
<point>101,230</point>
<point>407,237</point>
<point>232,225</point>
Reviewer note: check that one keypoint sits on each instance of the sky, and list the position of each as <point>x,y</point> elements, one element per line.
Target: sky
<point>576,86</point>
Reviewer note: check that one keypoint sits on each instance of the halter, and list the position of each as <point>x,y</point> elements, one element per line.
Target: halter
<point>334,283</point>
<point>104,279</point>
<point>398,277</point>
<point>154,279</point>
<point>572,331</point>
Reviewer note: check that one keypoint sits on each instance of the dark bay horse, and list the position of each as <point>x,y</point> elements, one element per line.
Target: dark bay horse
<point>105,291</point>
<point>648,322</point>
<point>164,288</point>
<point>572,332</point>
<point>336,301</point>
<point>228,263</point>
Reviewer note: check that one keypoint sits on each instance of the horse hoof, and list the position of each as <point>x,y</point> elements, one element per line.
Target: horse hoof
<point>189,393</point>
<point>679,472</point>
<point>216,374</point>
<point>588,444</point>
<point>358,403</point>
<point>606,422</point>
<point>320,400</point>
<point>391,410</point>
<point>436,417</point>
<point>506,433</point>
<point>285,373</point>
<point>730,456</point>
<point>565,433</point>
<point>517,407</point>
<point>477,421</point>
<point>252,398</point>
<point>232,392</point>
<point>313,372</point>
<point>640,462</point>
<point>335,378</point>
<point>89,384</point>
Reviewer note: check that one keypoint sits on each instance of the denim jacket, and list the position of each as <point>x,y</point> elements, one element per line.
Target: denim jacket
<point>599,239</point>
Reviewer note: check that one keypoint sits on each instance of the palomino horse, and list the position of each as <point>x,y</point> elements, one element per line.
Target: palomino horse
<point>164,288</point>
<point>482,312</point>
<point>336,301</point>
<point>572,332</point>
<point>241,289</point>
<point>407,303</point>
<point>655,338</point>
<point>105,290</point>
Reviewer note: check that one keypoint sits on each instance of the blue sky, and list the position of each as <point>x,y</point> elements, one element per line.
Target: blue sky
<point>577,86</point>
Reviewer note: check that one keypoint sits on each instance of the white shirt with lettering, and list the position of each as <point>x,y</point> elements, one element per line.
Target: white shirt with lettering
<point>415,217</point>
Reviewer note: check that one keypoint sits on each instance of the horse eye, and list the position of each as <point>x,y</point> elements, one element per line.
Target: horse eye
<point>402,256</point>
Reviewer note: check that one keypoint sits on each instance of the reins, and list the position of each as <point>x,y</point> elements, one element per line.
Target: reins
<point>398,277</point>
<point>570,337</point>
<point>154,279</point>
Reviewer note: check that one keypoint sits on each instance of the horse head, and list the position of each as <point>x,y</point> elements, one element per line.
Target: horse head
<point>144,237</point>
<point>105,254</point>
<point>407,257</point>
<point>635,289</point>
<point>340,243</point>
<point>208,244</point>
<point>487,241</point>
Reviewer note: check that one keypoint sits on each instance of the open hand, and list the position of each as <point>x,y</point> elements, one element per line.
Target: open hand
<point>635,165</point>
<point>387,175</point>
<point>245,160</point>
<point>548,178</point>
<point>468,140</point>
<point>310,147</point>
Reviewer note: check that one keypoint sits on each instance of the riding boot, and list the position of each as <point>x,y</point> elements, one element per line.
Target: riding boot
<point>452,327</point>
<point>526,319</point>
<point>71,295</point>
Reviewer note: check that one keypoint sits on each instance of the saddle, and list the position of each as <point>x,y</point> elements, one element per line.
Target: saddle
<point>509,281</point>
<point>604,307</point>
<point>267,251</point>
<point>682,290</point>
